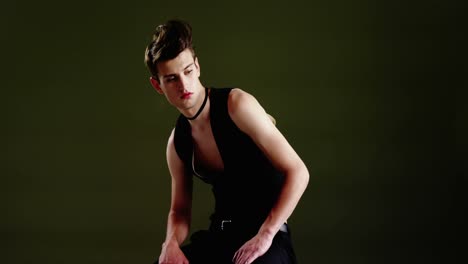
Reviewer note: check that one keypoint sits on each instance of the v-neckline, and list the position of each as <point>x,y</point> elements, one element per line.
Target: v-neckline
<point>215,141</point>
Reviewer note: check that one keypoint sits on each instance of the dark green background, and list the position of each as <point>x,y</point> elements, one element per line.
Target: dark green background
<point>367,92</point>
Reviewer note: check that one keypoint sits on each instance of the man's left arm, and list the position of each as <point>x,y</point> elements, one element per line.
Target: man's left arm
<point>252,119</point>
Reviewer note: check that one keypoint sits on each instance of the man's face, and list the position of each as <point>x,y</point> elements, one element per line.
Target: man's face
<point>178,80</point>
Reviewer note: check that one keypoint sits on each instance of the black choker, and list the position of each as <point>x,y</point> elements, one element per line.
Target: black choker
<point>201,107</point>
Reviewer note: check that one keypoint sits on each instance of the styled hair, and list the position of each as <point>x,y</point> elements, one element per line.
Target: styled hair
<point>169,39</point>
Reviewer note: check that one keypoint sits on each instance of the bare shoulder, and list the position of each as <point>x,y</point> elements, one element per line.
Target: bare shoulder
<point>171,154</point>
<point>170,140</point>
<point>247,113</point>
<point>239,94</point>
<point>242,102</point>
<point>239,99</point>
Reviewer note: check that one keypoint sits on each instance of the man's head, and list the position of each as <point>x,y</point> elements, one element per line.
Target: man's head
<point>174,68</point>
<point>169,40</point>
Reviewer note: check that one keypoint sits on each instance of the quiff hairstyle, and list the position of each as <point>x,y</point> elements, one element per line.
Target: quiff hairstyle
<point>169,40</point>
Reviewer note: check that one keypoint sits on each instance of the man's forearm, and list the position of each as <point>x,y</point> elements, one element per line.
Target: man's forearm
<point>178,226</point>
<point>294,186</point>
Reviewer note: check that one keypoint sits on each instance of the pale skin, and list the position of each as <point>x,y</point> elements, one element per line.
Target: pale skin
<point>178,80</point>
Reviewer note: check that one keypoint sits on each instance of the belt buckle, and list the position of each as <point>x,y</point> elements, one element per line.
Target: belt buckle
<point>222,223</point>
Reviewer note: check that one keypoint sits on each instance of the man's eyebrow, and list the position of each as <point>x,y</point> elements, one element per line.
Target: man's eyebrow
<point>169,75</point>
<point>188,66</point>
<point>173,74</point>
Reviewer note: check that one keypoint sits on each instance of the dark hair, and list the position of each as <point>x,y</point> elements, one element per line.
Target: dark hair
<point>169,40</point>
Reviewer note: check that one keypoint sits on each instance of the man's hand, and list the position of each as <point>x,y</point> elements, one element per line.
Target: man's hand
<point>252,249</point>
<point>171,254</point>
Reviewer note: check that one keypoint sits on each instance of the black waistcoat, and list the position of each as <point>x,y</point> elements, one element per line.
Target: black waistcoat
<point>249,185</point>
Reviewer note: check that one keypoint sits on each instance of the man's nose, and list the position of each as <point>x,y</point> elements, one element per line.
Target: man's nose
<point>183,83</point>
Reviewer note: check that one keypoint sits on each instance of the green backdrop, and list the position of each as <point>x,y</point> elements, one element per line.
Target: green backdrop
<point>363,91</point>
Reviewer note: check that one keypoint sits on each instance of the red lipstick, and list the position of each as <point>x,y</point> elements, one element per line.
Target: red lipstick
<point>186,95</point>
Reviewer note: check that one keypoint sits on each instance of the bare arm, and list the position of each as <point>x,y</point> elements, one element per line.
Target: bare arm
<point>252,119</point>
<point>178,222</point>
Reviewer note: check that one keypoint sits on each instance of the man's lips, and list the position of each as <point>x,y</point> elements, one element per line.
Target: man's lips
<point>186,95</point>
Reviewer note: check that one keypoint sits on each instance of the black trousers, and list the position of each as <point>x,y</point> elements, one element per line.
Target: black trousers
<point>219,247</point>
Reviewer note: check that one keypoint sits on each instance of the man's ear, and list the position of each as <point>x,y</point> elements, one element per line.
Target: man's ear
<point>156,86</point>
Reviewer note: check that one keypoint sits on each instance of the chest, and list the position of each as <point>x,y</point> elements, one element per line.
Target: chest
<point>206,155</point>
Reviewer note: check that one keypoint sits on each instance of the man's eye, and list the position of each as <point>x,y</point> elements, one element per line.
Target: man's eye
<point>188,72</point>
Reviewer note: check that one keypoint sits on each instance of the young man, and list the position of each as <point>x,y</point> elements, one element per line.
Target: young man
<point>226,138</point>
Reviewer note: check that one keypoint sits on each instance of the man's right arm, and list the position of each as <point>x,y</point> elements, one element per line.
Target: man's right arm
<point>178,222</point>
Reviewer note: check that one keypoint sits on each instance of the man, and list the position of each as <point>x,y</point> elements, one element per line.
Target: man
<point>226,138</point>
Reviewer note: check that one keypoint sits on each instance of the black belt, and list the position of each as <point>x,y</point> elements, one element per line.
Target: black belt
<point>231,225</point>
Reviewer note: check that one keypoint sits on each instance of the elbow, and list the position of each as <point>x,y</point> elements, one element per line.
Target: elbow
<point>299,175</point>
<point>304,175</point>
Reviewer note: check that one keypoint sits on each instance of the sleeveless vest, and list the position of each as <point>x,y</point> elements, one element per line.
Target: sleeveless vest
<point>249,185</point>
